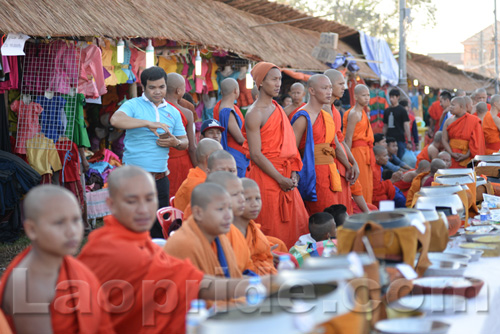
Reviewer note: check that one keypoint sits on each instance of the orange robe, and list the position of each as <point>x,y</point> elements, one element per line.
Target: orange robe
<point>231,142</point>
<point>275,241</point>
<point>416,184</point>
<point>328,185</point>
<point>361,148</point>
<point>179,164</point>
<point>195,177</point>
<point>423,155</point>
<point>295,111</point>
<point>435,112</point>
<point>189,242</point>
<point>260,250</point>
<point>240,248</point>
<point>283,213</point>
<point>491,134</point>
<point>344,197</point>
<point>382,190</point>
<point>357,190</point>
<point>464,134</point>
<point>117,254</point>
<point>87,317</point>
<point>188,105</point>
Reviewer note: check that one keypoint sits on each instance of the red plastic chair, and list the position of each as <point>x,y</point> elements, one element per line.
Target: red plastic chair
<point>165,223</point>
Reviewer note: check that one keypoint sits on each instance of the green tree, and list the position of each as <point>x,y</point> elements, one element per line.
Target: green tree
<point>375,17</point>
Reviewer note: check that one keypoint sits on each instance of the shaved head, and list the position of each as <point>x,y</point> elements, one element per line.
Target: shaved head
<point>480,91</point>
<point>460,101</point>
<point>221,178</point>
<point>203,194</point>
<point>495,99</point>
<point>334,75</point>
<point>360,89</point>
<point>467,99</point>
<point>221,161</point>
<point>378,149</point>
<point>316,78</point>
<point>249,183</point>
<point>123,174</point>
<point>446,157</point>
<point>423,166</point>
<point>175,81</point>
<point>437,164</point>
<point>218,155</point>
<point>481,108</point>
<point>297,93</point>
<point>481,95</point>
<point>205,147</point>
<point>35,202</point>
<point>228,86</point>
<point>460,92</point>
<point>297,86</point>
<point>438,137</point>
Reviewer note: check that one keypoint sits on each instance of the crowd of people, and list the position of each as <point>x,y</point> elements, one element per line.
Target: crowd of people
<point>255,187</point>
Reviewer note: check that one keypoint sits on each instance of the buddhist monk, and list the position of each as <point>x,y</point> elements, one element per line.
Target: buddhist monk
<point>482,96</point>
<point>438,164</point>
<point>359,138</point>
<point>232,184</point>
<point>481,110</point>
<point>385,189</point>
<point>196,175</point>
<point>406,181</point>
<point>491,126</point>
<point>421,178</point>
<point>181,161</point>
<point>260,250</point>
<point>297,93</point>
<point>314,129</point>
<point>45,289</point>
<point>275,159</point>
<point>462,135</point>
<point>348,174</point>
<point>432,150</point>
<point>145,289</point>
<point>446,157</point>
<point>231,118</point>
<point>438,109</point>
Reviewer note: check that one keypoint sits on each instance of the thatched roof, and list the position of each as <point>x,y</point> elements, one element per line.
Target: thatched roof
<point>202,22</point>
<point>280,13</point>
<point>439,74</point>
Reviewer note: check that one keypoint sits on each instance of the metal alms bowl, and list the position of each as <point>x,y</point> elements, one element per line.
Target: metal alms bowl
<point>454,179</point>
<point>386,219</point>
<point>434,202</point>
<point>455,171</point>
<point>429,214</point>
<point>412,214</point>
<point>487,158</point>
<point>440,190</point>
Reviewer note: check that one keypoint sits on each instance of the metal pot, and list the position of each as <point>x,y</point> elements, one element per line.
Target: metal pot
<point>429,214</point>
<point>454,179</point>
<point>335,262</point>
<point>386,219</point>
<point>413,214</point>
<point>455,171</point>
<point>440,190</point>
<point>452,201</point>
<point>487,158</point>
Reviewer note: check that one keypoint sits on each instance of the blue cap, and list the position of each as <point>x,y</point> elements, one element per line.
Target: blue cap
<point>211,124</point>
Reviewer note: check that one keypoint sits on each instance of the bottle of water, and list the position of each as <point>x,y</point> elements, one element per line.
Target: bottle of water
<point>256,291</point>
<point>329,250</point>
<point>195,316</point>
<point>484,212</point>
<point>285,263</point>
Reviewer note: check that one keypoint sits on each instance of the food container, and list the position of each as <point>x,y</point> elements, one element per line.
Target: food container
<point>454,179</point>
<point>487,158</point>
<point>387,219</point>
<point>413,214</point>
<point>472,232</point>
<point>411,326</point>
<point>474,254</point>
<point>438,257</point>
<point>488,250</point>
<point>431,304</point>
<point>455,171</point>
<point>460,286</point>
<point>440,190</point>
<point>452,202</point>
<point>446,268</point>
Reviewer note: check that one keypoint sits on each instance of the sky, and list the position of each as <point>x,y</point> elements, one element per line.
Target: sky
<point>456,20</point>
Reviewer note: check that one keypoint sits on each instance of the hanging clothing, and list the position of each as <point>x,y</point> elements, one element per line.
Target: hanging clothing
<point>107,63</point>
<point>91,77</point>
<point>43,160</point>
<point>138,63</point>
<point>74,113</point>
<point>70,160</point>
<point>62,67</point>
<point>28,122</point>
<point>53,117</point>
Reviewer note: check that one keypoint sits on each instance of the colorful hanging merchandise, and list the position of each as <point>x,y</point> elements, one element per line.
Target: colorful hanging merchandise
<point>28,122</point>
<point>91,78</point>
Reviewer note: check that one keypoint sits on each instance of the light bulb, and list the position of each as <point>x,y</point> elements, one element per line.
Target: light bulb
<point>249,79</point>
<point>427,90</point>
<point>150,54</point>
<point>198,63</point>
<point>415,82</point>
<point>120,51</point>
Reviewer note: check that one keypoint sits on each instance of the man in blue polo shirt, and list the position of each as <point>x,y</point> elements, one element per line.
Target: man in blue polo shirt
<point>152,126</point>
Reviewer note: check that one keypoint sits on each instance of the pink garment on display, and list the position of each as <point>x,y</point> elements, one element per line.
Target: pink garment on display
<point>64,69</point>
<point>10,62</point>
<point>138,63</point>
<point>28,122</point>
<point>91,78</point>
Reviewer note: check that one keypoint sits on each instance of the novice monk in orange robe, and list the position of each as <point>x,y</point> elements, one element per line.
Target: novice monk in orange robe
<point>385,189</point>
<point>419,181</point>
<point>432,150</point>
<point>359,138</point>
<point>491,126</point>
<point>462,135</point>
<point>180,161</point>
<point>275,159</point>
<point>153,288</point>
<point>196,175</point>
<point>45,289</point>
<point>297,93</point>
<point>405,183</point>
<point>314,129</point>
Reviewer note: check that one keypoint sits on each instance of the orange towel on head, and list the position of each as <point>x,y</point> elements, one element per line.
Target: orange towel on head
<point>260,71</point>
<point>179,164</point>
<point>423,155</point>
<point>491,134</point>
<point>283,213</point>
<point>128,258</point>
<point>465,134</point>
<point>361,148</point>
<point>188,242</point>
<point>345,196</point>
<point>416,184</point>
<point>195,177</point>
<point>240,248</point>
<point>382,190</point>
<point>260,250</point>
<point>80,312</point>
